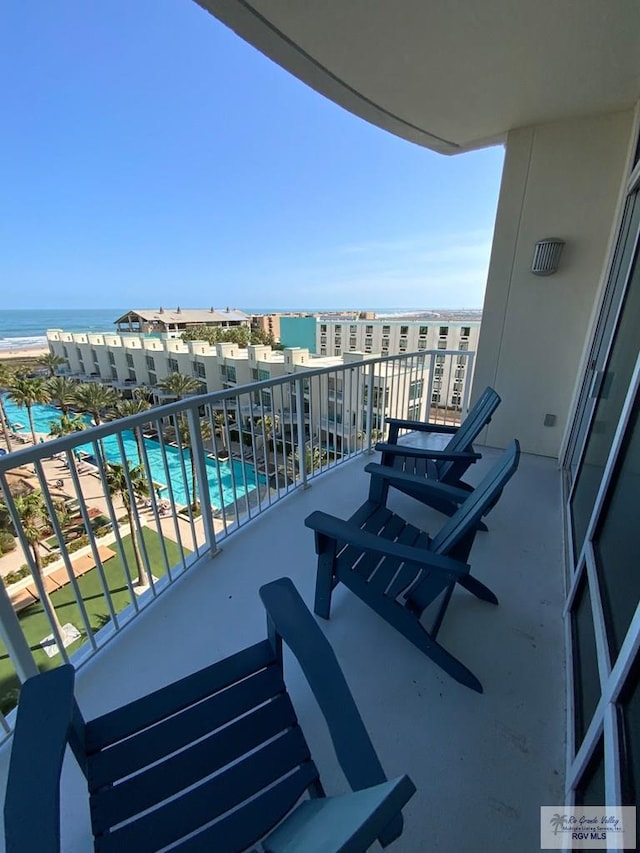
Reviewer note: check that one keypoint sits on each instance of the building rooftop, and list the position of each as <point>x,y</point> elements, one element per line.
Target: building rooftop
<point>193,316</point>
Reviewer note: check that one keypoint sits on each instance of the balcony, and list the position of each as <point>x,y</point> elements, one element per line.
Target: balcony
<point>482,763</point>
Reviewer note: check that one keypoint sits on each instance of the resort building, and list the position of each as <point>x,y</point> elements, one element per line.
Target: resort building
<point>270,323</point>
<point>558,85</point>
<point>335,336</point>
<point>340,409</point>
<point>172,322</point>
<point>130,361</point>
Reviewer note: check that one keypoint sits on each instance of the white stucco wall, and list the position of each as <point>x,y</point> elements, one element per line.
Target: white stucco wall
<point>559,180</point>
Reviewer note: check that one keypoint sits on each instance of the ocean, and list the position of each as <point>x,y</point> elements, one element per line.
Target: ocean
<point>26,328</point>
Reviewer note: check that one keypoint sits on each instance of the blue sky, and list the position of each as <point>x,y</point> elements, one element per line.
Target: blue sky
<point>150,156</point>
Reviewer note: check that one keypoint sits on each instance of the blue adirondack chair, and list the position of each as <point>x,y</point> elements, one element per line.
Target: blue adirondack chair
<point>442,466</point>
<point>398,570</point>
<point>212,762</point>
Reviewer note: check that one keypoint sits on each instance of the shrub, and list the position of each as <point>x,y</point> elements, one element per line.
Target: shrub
<point>102,530</point>
<point>78,543</point>
<point>14,577</point>
<point>7,542</point>
<point>50,558</point>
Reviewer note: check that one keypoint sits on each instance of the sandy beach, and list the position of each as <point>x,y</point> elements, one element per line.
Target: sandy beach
<point>30,352</point>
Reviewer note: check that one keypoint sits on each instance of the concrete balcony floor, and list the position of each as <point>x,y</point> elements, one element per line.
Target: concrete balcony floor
<point>482,764</point>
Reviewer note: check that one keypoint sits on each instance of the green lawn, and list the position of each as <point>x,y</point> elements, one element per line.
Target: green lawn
<point>34,621</point>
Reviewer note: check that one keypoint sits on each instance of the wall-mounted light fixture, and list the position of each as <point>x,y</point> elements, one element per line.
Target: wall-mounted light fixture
<point>546,256</point>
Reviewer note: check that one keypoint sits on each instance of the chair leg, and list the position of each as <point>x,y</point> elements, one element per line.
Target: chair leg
<point>324,586</point>
<point>416,634</point>
<point>407,623</point>
<point>478,589</point>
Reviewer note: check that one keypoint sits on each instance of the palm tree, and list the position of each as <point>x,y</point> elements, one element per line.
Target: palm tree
<point>99,401</point>
<point>34,520</point>
<point>51,361</point>
<point>62,392</point>
<point>142,392</point>
<point>220,428</point>
<point>125,408</point>
<point>267,425</point>
<point>314,459</point>
<point>179,385</point>
<point>96,399</point>
<point>117,485</point>
<point>67,425</point>
<point>6,377</point>
<point>27,393</point>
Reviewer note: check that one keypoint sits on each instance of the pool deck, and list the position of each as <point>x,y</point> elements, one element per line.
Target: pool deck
<point>93,496</point>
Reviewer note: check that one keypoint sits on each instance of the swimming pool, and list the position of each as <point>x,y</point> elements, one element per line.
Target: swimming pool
<point>221,487</point>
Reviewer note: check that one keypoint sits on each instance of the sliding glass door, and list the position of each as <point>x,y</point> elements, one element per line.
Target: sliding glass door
<point>603,515</point>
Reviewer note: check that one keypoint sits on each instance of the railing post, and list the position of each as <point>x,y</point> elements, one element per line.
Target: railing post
<point>200,465</point>
<point>302,454</point>
<point>432,362</point>
<point>369,408</point>
<point>14,639</point>
<point>468,381</point>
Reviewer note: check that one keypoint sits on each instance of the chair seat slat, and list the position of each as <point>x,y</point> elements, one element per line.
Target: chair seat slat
<point>202,805</point>
<point>117,803</point>
<point>425,592</point>
<point>370,517</point>
<point>234,833</point>
<point>177,731</point>
<point>141,713</point>
<point>387,570</point>
<point>408,573</point>
<point>368,562</point>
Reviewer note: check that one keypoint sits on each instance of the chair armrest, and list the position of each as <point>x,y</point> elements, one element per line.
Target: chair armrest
<point>425,453</point>
<point>421,426</point>
<point>345,531</point>
<point>45,713</point>
<point>300,631</point>
<point>427,487</point>
<point>292,621</point>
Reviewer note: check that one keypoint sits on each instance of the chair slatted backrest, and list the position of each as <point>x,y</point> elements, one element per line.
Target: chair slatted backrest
<point>470,428</point>
<point>233,734</point>
<point>475,506</point>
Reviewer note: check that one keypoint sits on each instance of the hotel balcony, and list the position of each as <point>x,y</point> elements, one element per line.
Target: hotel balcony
<point>559,658</point>
<point>482,764</point>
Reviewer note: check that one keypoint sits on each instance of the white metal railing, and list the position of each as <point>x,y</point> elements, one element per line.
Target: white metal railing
<point>147,496</point>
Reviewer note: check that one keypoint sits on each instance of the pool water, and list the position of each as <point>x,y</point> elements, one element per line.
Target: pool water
<point>220,475</point>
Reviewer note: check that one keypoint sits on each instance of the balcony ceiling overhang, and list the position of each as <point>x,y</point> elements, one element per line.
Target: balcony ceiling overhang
<point>452,75</point>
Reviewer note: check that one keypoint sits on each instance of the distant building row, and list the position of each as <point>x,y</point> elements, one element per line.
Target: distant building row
<point>331,334</point>
<point>336,336</point>
<point>127,361</point>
